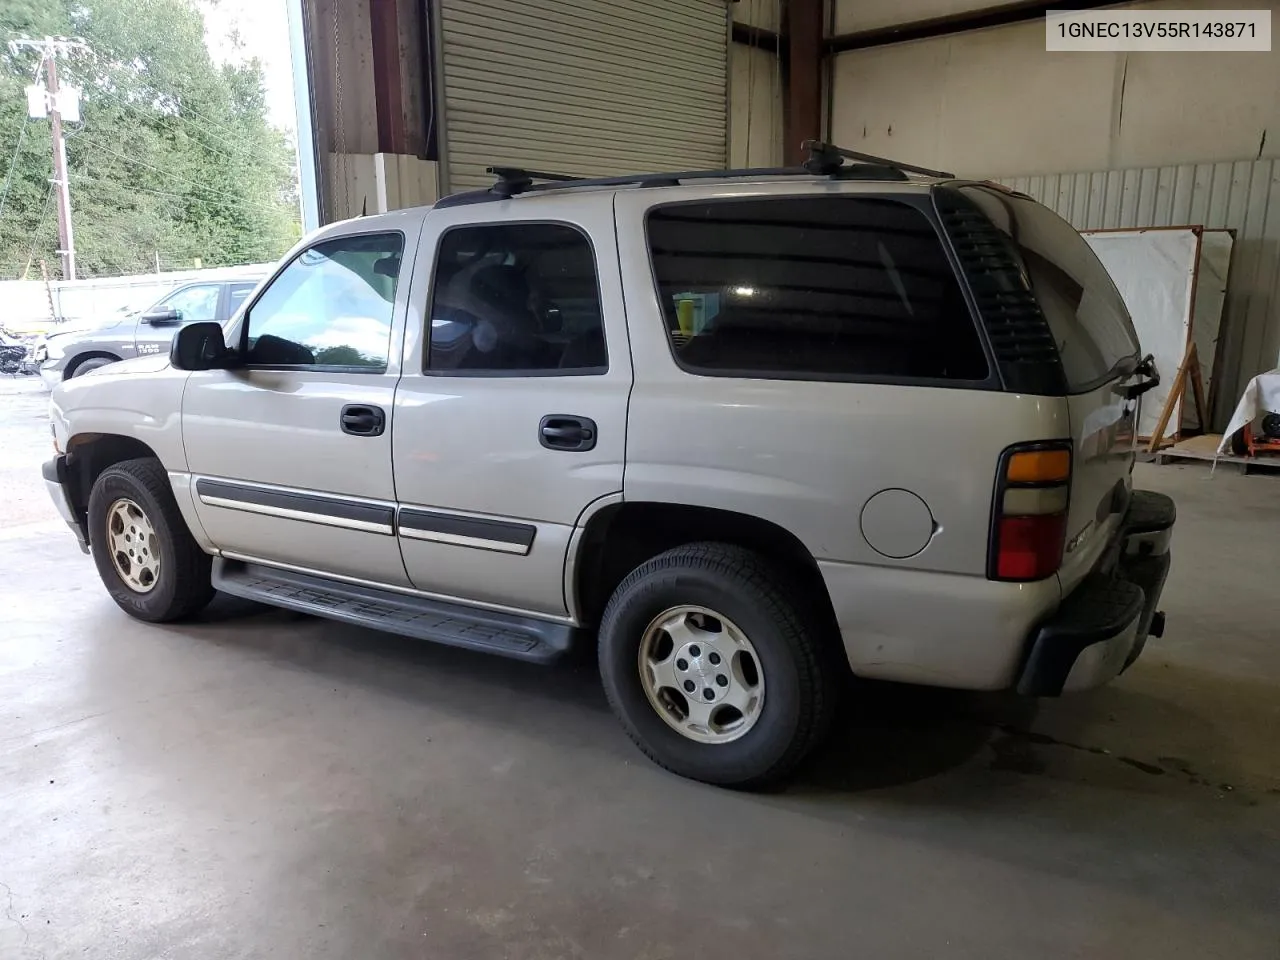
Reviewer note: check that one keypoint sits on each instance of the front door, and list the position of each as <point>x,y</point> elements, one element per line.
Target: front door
<point>510,419</point>
<point>290,454</point>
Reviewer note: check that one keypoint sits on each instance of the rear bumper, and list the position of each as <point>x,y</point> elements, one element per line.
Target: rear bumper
<point>1102,626</point>
<point>55,480</point>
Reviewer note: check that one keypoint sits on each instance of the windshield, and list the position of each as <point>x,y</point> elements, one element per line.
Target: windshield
<point>1085,312</point>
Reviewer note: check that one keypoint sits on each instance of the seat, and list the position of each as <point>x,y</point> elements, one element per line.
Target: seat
<point>505,333</point>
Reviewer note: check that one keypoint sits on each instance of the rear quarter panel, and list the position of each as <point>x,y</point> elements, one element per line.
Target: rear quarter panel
<point>808,455</point>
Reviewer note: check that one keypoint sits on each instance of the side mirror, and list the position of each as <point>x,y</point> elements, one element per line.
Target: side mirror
<point>200,346</point>
<point>162,316</point>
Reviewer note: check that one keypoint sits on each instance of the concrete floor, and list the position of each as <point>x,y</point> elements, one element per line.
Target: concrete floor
<point>261,785</point>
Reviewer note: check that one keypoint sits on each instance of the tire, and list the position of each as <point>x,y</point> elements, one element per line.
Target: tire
<point>182,582</point>
<point>797,677</point>
<point>93,363</point>
<point>1238,445</point>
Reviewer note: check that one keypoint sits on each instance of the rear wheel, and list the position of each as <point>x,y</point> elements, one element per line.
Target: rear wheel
<point>713,668</point>
<point>146,556</point>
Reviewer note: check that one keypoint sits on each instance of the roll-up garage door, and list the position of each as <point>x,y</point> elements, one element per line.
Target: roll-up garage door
<point>583,87</point>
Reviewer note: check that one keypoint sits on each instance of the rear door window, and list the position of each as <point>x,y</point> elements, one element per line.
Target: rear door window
<point>1085,312</point>
<point>237,294</point>
<point>822,288</point>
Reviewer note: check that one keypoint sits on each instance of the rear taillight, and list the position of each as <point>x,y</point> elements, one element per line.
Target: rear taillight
<point>1029,514</point>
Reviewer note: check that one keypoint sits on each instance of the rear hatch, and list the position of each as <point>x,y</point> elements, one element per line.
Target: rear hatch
<point>1097,356</point>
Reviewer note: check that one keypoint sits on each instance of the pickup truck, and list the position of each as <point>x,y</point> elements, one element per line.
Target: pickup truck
<point>74,352</point>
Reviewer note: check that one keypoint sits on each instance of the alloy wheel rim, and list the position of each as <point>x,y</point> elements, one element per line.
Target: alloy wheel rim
<point>701,674</point>
<point>133,546</point>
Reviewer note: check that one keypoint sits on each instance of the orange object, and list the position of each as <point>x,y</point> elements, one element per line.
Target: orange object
<point>1039,466</point>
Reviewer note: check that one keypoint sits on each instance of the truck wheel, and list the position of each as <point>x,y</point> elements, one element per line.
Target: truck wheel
<point>93,363</point>
<point>146,556</point>
<point>711,664</point>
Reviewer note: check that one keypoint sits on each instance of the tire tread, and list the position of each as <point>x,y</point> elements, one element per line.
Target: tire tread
<point>193,584</point>
<point>798,627</point>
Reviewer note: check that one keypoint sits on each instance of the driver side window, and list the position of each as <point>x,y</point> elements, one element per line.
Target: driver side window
<point>195,304</point>
<point>330,308</point>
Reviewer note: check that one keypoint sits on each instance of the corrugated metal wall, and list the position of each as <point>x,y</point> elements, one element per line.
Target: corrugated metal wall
<point>1243,196</point>
<point>583,87</point>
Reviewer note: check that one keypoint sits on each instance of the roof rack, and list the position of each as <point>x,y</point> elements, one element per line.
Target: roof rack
<point>824,160</point>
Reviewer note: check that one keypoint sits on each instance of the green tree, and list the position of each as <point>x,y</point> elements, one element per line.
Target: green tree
<point>175,154</point>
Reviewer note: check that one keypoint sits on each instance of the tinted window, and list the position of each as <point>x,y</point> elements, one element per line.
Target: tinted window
<point>237,294</point>
<point>516,298</point>
<point>812,287</point>
<point>1084,310</point>
<point>330,307</point>
<point>197,303</point>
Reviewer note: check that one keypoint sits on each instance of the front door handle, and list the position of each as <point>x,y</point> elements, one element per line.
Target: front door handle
<point>561,431</point>
<point>363,420</point>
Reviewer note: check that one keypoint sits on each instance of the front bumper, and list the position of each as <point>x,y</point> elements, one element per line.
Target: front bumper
<point>1100,629</point>
<point>51,373</point>
<point>55,480</point>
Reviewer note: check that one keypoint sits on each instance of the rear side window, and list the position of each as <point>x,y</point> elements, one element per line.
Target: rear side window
<point>237,294</point>
<point>1085,312</point>
<point>822,288</point>
<point>516,299</point>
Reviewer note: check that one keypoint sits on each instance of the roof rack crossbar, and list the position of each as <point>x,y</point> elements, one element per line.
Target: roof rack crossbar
<point>826,158</point>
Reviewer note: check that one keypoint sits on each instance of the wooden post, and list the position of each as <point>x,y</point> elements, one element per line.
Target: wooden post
<point>1189,361</point>
<point>48,291</point>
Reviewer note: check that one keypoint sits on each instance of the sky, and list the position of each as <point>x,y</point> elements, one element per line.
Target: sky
<point>263,26</point>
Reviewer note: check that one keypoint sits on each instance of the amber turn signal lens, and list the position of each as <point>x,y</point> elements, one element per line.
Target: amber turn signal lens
<point>1039,466</point>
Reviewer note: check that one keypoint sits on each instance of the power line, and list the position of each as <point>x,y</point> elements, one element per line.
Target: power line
<point>35,236</point>
<point>186,197</point>
<point>13,165</point>
<point>241,151</point>
<point>13,162</point>
<point>171,176</point>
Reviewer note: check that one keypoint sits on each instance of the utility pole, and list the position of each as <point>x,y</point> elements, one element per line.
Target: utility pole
<point>53,101</point>
<point>66,235</point>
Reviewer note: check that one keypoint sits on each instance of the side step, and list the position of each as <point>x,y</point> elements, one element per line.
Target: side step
<point>510,635</point>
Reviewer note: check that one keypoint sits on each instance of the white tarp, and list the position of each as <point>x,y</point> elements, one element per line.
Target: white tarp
<point>1262,395</point>
<point>1154,271</point>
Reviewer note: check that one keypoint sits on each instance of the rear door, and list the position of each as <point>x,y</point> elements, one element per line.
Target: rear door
<point>1099,350</point>
<point>511,413</point>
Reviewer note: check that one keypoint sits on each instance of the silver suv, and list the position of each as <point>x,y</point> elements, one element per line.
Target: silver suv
<point>743,433</point>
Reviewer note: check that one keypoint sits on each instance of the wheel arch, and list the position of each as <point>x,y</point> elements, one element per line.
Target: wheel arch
<point>88,454</point>
<point>70,370</point>
<point>619,537</point>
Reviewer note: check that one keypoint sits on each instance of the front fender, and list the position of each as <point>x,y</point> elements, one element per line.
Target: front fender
<point>140,399</point>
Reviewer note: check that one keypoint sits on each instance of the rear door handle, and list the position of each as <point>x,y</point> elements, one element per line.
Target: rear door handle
<point>562,431</point>
<point>363,420</point>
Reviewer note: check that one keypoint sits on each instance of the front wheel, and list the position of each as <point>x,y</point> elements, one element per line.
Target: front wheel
<point>714,667</point>
<point>93,363</point>
<point>145,555</point>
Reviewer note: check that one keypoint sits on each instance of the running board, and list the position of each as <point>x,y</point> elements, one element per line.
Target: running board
<point>507,634</point>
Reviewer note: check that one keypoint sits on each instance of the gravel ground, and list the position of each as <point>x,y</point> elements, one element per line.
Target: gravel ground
<point>24,445</point>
